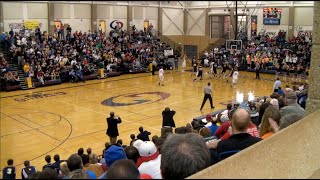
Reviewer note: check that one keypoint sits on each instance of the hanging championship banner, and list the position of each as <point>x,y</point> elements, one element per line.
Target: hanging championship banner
<point>31,24</point>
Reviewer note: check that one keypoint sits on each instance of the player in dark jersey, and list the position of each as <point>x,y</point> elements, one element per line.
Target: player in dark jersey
<point>28,170</point>
<point>213,68</point>
<point>9,172</point>
<point>224,69</point>
<point>194,65</point>
<point>199,74</point>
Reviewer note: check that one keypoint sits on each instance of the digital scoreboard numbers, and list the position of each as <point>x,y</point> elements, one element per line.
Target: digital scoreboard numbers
<point>271,16</point>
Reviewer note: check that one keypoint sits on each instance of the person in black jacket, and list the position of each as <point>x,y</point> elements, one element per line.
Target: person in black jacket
<point>112,130</point>
<point>167,117</point>
<point>144,135</point>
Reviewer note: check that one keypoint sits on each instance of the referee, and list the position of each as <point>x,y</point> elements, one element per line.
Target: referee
<point>207,95</point>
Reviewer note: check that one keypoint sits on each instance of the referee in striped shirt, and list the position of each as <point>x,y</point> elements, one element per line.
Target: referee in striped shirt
<point>207,95</point>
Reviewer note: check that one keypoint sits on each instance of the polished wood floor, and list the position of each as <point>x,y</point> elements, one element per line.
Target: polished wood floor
<point>70,116</point>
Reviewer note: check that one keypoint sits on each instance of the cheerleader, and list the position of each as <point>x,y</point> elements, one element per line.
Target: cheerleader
<point>184,63</point>
<point>235,76</point>
<point>199,74</point>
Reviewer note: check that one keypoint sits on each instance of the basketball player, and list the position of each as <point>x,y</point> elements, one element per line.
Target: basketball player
<point>213,68</point>
<point>161,76</point>
<point>224,69</point>
<point>235,76</point>
<point>194,64</point>
<point>199,74</point>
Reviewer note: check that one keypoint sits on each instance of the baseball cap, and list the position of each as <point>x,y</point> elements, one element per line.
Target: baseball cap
<point>113,154</point>
<point>137,143</point>
<point>147,148</point>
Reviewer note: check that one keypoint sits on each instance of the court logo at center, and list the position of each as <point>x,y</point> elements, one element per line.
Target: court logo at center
<point>135,98</point>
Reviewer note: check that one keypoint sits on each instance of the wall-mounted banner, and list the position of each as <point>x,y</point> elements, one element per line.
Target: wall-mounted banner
<point>28,24</point>
<point>116,23</point>
<point>271,21</point>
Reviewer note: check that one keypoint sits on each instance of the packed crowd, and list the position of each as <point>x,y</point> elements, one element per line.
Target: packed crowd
<point>50,57</point>
<point>286,57</point>
<point>179,151</point>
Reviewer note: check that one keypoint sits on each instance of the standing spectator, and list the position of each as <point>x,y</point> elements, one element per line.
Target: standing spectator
<point>207,95</point>
<point>27,170</point>
<point>62,31</point>
<point>112,130</point>
<point>257,70</point>
<point>48,160</point>
<point>56,164</point>
<point>80,151</point>
<point>183,155</point>
<point>167,118</point>
<point>9,172</point>
<point>144,135</point>
<point>276,85</point>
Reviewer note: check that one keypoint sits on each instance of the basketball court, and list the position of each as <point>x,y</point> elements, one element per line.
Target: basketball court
<point>62,118</point>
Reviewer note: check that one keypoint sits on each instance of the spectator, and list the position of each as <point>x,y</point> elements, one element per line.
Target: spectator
<point>190,156</point>
<point>27,170</point>
<point>56,164</point>
<point>132,153</point>
<point>239,139</point>
<point>48,173</point>
<point>123,169</point>
<point>78,174</point>
<point>276,85</point>
<point>266,130</point>
<point>113,154</point>
<point>95,168</point>
<point>280,91</point>
<point>144,135</point>
<point>211,124</point>
<point>80,151</point>
<point>112,130</point>
<point>289,119</point>
<point>167,118</point>
<point>151,160</point>
<point>292,105</point>
<point>64,169</point>
<point>89,151</point>
<point>48,160</point>
<point>133,138</point>
<point>9,172</point>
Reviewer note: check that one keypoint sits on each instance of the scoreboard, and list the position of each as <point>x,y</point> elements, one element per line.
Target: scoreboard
<point>271,16</point>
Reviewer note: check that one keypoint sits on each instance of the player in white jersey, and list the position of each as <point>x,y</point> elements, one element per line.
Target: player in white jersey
<point>161,76</point>
<point>235,78</point>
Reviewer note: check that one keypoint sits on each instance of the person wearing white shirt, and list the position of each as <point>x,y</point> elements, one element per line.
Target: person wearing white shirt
<point>161,76</point>
<point>235,77</point>
<point>276,85</point>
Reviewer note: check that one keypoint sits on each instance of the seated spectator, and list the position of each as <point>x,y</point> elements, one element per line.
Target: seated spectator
<point>190,156</point>
<point>9,172</point>
<point>292,105</point>
<point>95,168</point>
<point>206,134</point>
<point>64,170</point>
<point>289,119</point>
<point>239,139</point>
<point>144,135</point>
<point>27,170</point>
<point>89,151</point>
<point>182,130</point>
<point>78,174</point>
<point>211,124</point>
<point>280,91</point>
<point>48,160</point>
<point>266,130</point>
<point>275,103</point>
<point>48,173</point>
<point>158,141</point>
<point>151,160</point>
<point>113,154</point>
<point>123,169</point>
<point>132,153</point>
